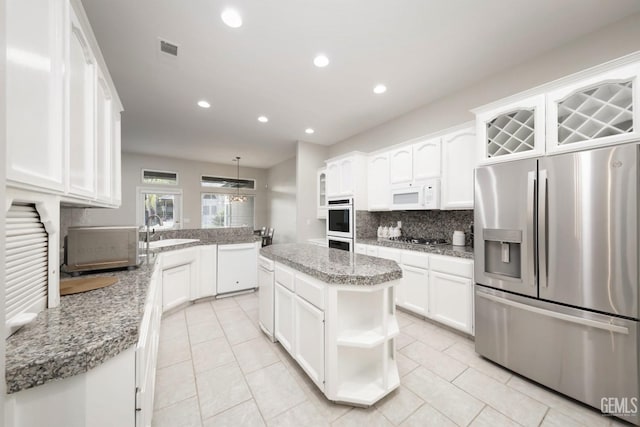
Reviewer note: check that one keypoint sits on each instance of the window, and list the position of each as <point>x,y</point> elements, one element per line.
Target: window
<point>222,182</point>
<point>219,211</point>
<point>159,177</point>
<point>160,209</point>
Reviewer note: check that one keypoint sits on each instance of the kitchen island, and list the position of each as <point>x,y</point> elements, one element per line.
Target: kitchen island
<point>335,314</point>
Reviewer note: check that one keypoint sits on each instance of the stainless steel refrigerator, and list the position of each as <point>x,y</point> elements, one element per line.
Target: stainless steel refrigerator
<point>556,271</point>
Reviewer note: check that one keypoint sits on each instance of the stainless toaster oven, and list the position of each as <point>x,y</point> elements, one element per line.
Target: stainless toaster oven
<point>100,248</point>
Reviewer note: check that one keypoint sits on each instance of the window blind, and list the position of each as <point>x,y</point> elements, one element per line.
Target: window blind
<point>26,261</point>
<point>159,177</point>
<point>221,182</point>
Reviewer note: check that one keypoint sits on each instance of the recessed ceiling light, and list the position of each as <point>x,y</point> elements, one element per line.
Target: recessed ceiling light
<point>231,17</point>
<point>203,104</point>
<point>309,131</point>
<point>379,89</point>
<point>321,61</point>
<point>263,119</point>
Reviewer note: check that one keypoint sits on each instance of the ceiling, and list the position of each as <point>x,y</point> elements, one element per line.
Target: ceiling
<point>420,49</point>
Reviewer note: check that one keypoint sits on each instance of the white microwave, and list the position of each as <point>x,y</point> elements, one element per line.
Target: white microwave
<point>415,197</point>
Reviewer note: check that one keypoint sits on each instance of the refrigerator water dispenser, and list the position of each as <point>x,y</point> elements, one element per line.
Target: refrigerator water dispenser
<point>502,252</point>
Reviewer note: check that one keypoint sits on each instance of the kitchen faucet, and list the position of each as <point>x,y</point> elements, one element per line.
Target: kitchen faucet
<point>148,237</point>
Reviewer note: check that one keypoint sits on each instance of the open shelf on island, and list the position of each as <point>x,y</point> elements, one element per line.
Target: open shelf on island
<point>362,392</point>
<point>361,339</point>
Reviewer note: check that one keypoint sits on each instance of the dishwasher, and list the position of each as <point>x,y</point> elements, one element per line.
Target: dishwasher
<point>265,295</point>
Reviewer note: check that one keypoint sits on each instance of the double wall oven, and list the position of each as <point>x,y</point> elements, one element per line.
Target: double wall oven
<point>340,224</point>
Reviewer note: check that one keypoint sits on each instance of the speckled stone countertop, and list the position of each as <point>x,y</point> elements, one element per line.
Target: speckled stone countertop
<point>334,266</point>
<point>448,250</point>
<point>82,332</point>
<point>86,329</point>
<point>230,241</point>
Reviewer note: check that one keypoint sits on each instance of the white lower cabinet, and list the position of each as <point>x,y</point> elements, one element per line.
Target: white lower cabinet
<point>438,287</point>
<point>118,392</point>
<point>237,267</point>
<point>205,286</point>
<point>308,342</point>
<point>451,292</point>
<point>414,290</point>
<point>176,284</point>
<point>451,301</point>
<point>102,397</point>
<point>179,275</point>
<point>266,283</point>
<point>284,317</point>
<point>147,353</point>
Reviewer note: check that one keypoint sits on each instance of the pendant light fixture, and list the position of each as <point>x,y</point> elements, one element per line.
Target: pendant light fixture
<point>240,198</point>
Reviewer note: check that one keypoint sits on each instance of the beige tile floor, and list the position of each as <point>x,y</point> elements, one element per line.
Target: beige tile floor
<point>216,368</point>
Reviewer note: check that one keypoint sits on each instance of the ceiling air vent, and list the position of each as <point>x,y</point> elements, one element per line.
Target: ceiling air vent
<point>168,48</point>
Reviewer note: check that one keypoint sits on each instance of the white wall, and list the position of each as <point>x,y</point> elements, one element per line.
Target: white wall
<point>281,180</point>
<point>189,173</point>
<point>310,157</point>
<point>608,43</point>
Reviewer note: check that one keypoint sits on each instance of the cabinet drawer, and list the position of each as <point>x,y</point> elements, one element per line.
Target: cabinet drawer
<point>372,250</point>
<point>451,265</point>
<point>265,263</point>
<point>178,257</point>
<point>361,249</point>
<point>310,289</point>
<point>284,276</point>
<point>415,259</point>
<point>389,253</point>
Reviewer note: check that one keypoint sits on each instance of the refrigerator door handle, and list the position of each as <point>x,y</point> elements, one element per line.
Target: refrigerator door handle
<point>610,327</point>
<point>531,246</point>
<point>542,229</point>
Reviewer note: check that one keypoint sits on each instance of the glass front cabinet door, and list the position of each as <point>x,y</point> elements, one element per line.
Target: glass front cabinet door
<point>321,193</point>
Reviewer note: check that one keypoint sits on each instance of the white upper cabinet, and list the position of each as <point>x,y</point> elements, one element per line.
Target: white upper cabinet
<point>596,111</point>
<point>592,108</point>
<point>104,140</point>
<point>63,131</point>
<point>116,171</point>
<point>426,159</point>
<point>82,101</point>
<point>34,93</point>
<point>512,131</point>
<point>347,182</point>
<point>458,163</point>
<point>378,182</point>
<point>401,165</point>
<point>347,176</point>
<point>333,179</point>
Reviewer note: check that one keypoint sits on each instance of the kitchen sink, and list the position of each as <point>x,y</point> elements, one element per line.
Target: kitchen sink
<point>167,242</point>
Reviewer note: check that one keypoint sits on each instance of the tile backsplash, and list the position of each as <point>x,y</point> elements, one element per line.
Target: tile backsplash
<point>431,223</point>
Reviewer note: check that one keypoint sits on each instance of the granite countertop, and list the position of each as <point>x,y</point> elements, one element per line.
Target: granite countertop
<point>201,242</point>
<point>88,328</point>
<point>82,332</point>
<point>334,266</point>
<point>448,250</point>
